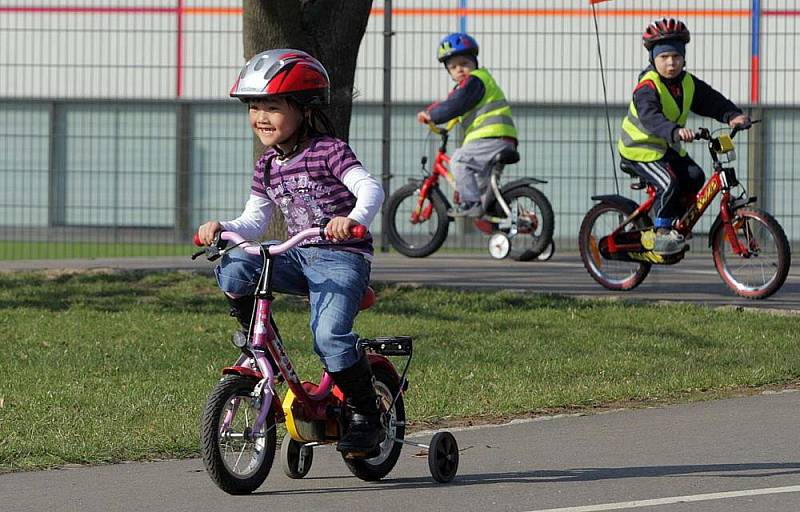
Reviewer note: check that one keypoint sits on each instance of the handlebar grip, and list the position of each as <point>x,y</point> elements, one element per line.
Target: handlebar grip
<point>196,240</point>
<point>359,231</point>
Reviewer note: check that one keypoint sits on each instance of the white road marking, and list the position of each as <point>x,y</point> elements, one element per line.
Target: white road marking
<point>674,499</point>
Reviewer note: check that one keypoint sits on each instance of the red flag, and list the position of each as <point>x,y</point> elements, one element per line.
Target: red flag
<point>592,2</point>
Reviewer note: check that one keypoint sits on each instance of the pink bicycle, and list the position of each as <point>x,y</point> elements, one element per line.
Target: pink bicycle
<point>238,427</point>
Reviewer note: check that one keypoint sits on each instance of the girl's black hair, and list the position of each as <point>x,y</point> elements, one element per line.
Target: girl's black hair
<point>321,124</point>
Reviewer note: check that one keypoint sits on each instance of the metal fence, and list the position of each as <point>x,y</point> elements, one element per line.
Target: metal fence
<point>117,139</point>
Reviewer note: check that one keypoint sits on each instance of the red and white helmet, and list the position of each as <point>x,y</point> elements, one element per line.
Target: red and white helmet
<point>286,73</point>
<point>665,29</point>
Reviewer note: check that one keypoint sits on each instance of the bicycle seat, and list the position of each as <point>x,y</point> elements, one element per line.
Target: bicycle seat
<point>628,168</point>
<point>505,156</point>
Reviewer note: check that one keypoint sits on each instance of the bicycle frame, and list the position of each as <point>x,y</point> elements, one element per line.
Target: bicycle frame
<point>265,337</point>
<point>441,167</point>
<point>720,181</point>
<point>314,400</point>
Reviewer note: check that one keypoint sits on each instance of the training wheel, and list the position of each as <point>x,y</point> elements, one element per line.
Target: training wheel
<point>296,458</point>
<point>443,457</point>
<point>499,245</point>
<point>548,252</point>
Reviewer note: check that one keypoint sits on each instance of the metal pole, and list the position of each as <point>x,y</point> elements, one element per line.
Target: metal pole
<point>183,227</point>
<point>756,156</point>
<point>386,132</point>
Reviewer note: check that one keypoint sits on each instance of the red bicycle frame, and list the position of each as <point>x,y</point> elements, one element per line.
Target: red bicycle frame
<point>701,202</point>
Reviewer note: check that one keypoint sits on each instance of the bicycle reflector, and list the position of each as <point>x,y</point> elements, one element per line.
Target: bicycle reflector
<point>724,144</point>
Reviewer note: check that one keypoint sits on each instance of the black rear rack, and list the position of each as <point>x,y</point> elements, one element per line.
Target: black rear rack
<point>388,345</point>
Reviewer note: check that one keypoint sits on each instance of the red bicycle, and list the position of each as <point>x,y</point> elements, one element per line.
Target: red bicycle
<point>518,217</point>
<point>749,247</point>
<point>238,426</point>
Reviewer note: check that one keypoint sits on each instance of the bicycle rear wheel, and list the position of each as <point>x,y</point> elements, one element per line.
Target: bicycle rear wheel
<point>375,468</point>
<point>237,459</point>
<point>424,237</point>
<point>600,221</point>
<point>535,222</point>
<point>763,270</point>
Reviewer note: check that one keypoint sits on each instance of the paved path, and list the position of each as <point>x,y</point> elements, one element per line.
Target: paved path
<point>692,280</point>
<point>735,455</point>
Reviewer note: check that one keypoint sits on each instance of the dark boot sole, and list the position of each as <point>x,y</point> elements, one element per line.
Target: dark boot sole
<point>354,455</point>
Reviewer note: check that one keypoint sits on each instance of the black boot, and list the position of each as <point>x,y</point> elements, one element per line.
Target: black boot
<point>364,432</point>
<point>242,309</point>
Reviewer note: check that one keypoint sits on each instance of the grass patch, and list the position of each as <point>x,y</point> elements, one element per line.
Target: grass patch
<point>105,367</point>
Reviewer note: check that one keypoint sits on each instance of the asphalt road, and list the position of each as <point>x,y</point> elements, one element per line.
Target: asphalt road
<point>692,280</point>
<point>733,455</point>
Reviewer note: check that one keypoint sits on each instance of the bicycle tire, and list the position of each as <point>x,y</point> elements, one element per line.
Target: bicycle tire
<point>399,226</point>
<point>541,237</point>
<point>214,455</point>
<point>779,251</point>
<point>375,468</point>
<point>633,273</point>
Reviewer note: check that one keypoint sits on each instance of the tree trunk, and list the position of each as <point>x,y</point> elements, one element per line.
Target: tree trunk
<point>329,30</point>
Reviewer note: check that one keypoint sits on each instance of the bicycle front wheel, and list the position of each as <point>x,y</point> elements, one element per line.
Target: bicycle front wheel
<point>600,221</point>
<point>237,458</point>
<point>762,270</point>
<point>420,237</point>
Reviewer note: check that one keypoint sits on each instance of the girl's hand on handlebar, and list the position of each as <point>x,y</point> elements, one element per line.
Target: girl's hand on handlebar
<point>685,134</point>
<point>741,121</point>
<point>339,229</point>
<point>423,117</point>
<point>208,231</point>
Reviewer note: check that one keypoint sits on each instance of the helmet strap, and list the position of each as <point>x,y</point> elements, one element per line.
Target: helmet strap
<point>299,136</point>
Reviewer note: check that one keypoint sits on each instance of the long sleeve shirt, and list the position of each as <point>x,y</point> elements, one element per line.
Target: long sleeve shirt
<point>461,100</point>
<point>707,102</point>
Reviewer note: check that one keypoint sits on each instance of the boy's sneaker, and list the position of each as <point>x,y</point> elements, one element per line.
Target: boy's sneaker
<point>467,209</point>
<point>668,242</point>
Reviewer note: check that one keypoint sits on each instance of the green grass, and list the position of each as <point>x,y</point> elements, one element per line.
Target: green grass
<point>72,250</point>
<point>101,367</point>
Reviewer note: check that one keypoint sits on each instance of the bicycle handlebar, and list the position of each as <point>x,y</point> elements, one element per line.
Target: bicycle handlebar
<point>705,133</point>
<point>358,231</point>
<point>442,130</point>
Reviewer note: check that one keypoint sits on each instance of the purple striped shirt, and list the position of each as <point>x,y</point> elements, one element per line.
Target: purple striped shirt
<point>308,188</point>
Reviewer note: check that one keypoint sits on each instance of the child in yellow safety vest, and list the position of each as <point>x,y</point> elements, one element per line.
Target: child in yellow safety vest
<point>481,107</point>
<point>655,125</point>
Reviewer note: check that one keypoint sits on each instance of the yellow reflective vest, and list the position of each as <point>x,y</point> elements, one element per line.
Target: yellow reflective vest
<point>491,117</point>
<point>636,142</point>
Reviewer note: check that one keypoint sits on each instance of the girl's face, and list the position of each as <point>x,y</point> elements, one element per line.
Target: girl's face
<point>669,64</point>
<point>459,67</point>
<point>274,120</point>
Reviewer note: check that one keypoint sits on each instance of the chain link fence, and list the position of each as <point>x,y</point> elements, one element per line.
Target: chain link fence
<point>117,137</point>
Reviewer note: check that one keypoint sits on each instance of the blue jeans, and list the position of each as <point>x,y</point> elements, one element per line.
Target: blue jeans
<point>334,281</point>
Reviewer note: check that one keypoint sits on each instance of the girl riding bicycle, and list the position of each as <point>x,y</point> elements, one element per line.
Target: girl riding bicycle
<point>652,130</point>
<point>311,176</point>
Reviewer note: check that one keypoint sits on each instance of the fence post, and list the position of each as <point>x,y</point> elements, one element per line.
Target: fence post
<point>183,229</point>
<point>756,157</point>
<point>55,185</point>
<point>386,131</point>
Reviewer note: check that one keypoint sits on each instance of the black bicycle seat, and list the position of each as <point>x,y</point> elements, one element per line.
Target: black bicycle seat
<point>628,168</point>
<point>505,156</point>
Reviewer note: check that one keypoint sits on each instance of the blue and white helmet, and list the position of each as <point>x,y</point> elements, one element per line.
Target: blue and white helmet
<point>457,43</point>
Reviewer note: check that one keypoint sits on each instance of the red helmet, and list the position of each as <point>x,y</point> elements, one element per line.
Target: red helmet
<point>286,73</point>
<point>665,29</point>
